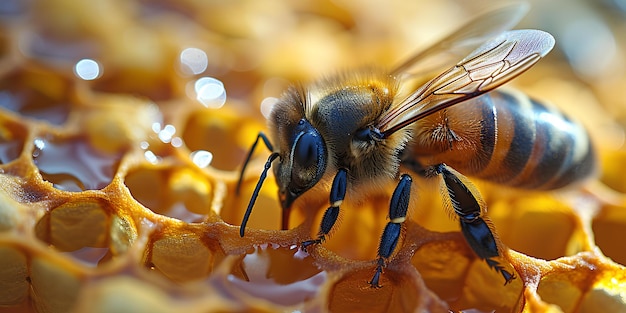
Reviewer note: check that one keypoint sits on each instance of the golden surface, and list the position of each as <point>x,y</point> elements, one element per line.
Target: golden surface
<point>103,208</point>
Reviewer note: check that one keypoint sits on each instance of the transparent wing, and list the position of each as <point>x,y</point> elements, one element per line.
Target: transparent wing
<point>491,65</point>
<point>465,39</point>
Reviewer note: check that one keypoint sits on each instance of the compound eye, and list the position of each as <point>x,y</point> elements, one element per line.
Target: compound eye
<point>308,161</point>
<point>305,165</point>
<point>306,154</point>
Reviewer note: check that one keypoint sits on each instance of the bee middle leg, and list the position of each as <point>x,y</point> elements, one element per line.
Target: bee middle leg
<point>397,215</point>
<point>476,230</point>
<point>337,194</point>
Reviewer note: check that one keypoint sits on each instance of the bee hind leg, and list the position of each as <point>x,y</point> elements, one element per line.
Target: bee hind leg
<point>397,215</point>
<point>337,194</point>
<point>474,227</point>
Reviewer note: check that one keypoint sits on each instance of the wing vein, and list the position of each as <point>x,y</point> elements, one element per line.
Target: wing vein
<point>490,65</point>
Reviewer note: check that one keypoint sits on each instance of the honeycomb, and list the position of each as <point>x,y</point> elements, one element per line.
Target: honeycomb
<point>120,153</point>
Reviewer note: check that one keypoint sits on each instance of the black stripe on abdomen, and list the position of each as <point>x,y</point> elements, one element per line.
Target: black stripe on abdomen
<point>555,144</point>
<point>524,136</point>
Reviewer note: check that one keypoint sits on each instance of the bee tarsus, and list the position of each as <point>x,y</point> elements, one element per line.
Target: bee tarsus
<point>379,270</point>
<point>398,208</point>
<point>337,194</point>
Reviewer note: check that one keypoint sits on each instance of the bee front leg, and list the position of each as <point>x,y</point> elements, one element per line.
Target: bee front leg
<point>337,194</point>
<point>474,227</point>
<point>397,215</point>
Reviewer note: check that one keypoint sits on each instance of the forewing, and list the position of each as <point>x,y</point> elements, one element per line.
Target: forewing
<point>465,39</point>
<point>491,65</point>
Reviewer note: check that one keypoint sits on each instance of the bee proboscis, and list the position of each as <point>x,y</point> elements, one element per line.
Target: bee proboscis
<point>358,128</point>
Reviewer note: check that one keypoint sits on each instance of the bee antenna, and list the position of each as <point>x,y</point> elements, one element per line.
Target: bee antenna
<point>255,194</point>
<point>267,143</point>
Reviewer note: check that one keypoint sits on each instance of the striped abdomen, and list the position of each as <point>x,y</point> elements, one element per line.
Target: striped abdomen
<point>508,138</point>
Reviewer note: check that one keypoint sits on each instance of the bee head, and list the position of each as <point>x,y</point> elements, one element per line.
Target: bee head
<point>304,163</point>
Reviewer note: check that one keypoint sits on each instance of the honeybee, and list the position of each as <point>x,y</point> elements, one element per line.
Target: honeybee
<point>361,130</point>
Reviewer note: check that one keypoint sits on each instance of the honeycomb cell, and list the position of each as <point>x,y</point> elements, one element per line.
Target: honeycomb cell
<point>75,225</point>
<point>443,266</point>
<point>12,138</point>
<point>14,281</point>
<point>55,285</point>
<point>36,93</point>
<point>93,250</point>
<point>401,292</point>
<point>484,290</point>
<point>192,189</point>
<point>148,186</point>
<point>525,224</point>
<point>608,225</point>
<point>595,286</point>
<point>562,291</point>
<point>606,296</point>
<point>180,193</point>
<point>192,258</point>
<point>72,164</point>
<point>302,266</point>
<point>281,275</point>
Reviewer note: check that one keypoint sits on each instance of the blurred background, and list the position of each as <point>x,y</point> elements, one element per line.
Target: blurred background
<point>155,48</point>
